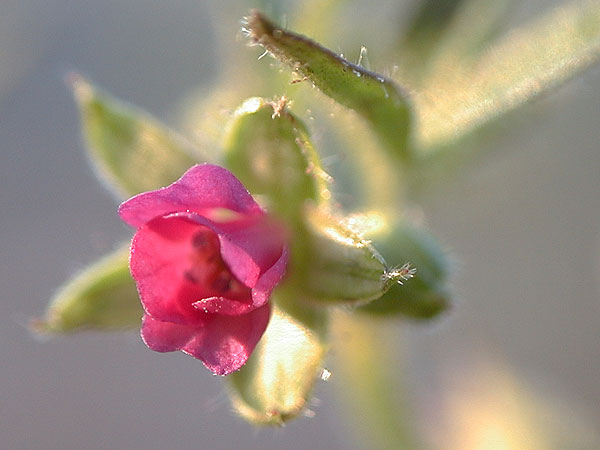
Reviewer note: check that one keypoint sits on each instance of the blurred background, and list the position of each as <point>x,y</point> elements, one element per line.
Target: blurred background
<point>515,364</point>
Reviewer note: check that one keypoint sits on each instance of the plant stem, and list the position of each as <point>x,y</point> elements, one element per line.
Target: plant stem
<point>369,379</point>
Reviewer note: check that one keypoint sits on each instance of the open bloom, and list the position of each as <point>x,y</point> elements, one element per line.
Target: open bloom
<point>205,258</point>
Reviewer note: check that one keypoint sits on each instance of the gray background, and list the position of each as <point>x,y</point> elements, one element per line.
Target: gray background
<point>522,223</point>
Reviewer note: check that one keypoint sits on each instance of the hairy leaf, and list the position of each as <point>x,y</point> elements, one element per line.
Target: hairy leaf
<point>378,100</point>
<point>131,151</point>
<point>102,297</point>
<point>523,65</point>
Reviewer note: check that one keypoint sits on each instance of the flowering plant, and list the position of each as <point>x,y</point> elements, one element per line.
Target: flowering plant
<point>205,259</point>
<point>245,257</point>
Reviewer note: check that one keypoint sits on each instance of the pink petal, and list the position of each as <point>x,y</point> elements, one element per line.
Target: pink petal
<point>226,342</point>
<point>251,246</point>
<point>161,256</point>
<point>202,186</point>
<point>166,336</point>
<point>260,293</point>
<point>267,282</point>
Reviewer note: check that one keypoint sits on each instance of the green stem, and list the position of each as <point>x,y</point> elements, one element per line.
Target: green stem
<point>368,376</point>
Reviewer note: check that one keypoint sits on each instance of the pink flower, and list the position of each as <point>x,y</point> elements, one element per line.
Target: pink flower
<point>205,258</point>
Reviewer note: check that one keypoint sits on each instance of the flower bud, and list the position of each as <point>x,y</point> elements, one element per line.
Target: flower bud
<point>269,150</point>
<point>427,294</point>
<point>339,265</point>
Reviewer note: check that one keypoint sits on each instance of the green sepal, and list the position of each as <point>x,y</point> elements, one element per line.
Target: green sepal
<point>269,150</point>
<point>131,151</point>
<point>427,294</point>
<point>375,98</point>
<point>102,297</point>
<point>275,384</point>
<point>336,264</point>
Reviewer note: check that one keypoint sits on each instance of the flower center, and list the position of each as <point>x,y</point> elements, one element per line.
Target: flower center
<point>207,268</point>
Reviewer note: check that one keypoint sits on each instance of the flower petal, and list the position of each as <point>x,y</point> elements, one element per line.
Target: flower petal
<point>251,246</point>
<point>268,280</point>
<point>166,336</point>
<point>226,342</point>
<point>162,263</point>
<point>202,186</point>
<point>260,292</point>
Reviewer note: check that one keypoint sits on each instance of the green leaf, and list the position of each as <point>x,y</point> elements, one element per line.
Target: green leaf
<point>431,18</point>
<point>102,297</point>
<point>269,150</point>
<point>424,33</point>
<point>520,67</point>
<point>131,151</point>
<point>378,100</point>
<point>446,33</point>
<point>426,294</point>
<point>275,384</point>
<point>474,25</point>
